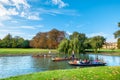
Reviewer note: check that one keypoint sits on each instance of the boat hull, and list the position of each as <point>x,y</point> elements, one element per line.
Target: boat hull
<point>62,59</point>
<point>92,64</point>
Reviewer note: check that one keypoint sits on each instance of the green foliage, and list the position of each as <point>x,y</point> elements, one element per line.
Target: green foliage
<point>118,43</point>
<point>91,73</point>
<point>17,42</point>
<point>117,33</point>
<point>97,42</point>
<point>7,41</point>
<point>74,43</point>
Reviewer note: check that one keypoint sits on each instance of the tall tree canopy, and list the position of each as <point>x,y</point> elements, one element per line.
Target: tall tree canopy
<point>74,43</point>
<point>97,42</point>
<point>49,39</point>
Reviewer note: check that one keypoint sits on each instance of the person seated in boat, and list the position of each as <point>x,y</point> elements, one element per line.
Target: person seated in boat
<point>75,61</point>
<point>86,61</point>
<point>97,60</point>
<point>80,61</point>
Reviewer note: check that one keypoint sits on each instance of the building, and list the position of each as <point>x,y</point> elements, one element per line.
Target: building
<point>110,45</point>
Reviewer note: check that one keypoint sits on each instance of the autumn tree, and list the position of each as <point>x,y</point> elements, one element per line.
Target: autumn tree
<point>54,38</point>
<point>49,39</point>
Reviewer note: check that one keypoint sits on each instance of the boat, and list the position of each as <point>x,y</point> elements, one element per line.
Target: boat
<point>87,64</point>
<point>62,59</point>
<point>42,55</point>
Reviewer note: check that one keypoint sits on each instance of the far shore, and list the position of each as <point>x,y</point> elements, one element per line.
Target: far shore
<point>33,51</point>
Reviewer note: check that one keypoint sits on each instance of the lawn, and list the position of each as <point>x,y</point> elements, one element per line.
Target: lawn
<point>91,73</point>
<point>20,51</point>
<point>29,51</point>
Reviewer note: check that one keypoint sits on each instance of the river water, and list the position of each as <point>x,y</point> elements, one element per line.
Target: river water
<point>19,65</point>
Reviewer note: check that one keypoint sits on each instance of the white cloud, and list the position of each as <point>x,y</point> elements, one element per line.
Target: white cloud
<point>18,4</point>
<point>30,15</point>
<point>9,8</point>
<point>27,27</point>
<point>60,3</point>
<point>69,33</point>
<point>1,25</point>
<point>55,12</point>
<point>34,17</point>
<point>6,2</point>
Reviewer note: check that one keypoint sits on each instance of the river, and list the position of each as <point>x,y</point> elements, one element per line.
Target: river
<point>19,65</point>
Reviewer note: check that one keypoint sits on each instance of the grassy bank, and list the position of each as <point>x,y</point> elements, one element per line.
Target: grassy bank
<point>29,51</point>
<point>115,52</point>
<point>92,73</point>
<point>19,51</point>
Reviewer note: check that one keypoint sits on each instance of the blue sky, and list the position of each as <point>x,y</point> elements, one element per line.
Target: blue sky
<point>26,18</point>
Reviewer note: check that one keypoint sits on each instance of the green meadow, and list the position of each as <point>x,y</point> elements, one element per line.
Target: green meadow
<point>91,73</point>
<point>20,51</point>
<point>31,51</point>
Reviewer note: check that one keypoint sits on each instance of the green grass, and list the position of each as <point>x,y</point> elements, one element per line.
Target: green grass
<point>92,73</point>
<point>20,51</point>
<point>115,52</point>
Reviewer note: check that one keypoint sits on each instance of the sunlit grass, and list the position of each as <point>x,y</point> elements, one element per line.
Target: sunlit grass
<point>21,51</point>
<point>92,73</point>
<point>4,51</point>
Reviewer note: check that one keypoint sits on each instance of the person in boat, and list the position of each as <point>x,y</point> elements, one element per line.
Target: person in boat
<point>81,62</point>
<point>49,52</point>
<point>73,55</point>
<point>86,61</point>
<point>97,60</point>
<point>75,61</point>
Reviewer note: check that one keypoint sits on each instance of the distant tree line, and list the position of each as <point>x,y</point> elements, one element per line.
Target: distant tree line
<point>14,42</point>
<point>55,39</point>
<point>44,40</point>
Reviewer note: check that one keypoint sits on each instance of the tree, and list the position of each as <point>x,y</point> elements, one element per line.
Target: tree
<point>7,41</point>
<point>64,46</point>
<point>74,43</point>
<point>17,42</point>
<point>97,42</point>
<point>54,38</point>
<point>118,43</point>
<point>13,42</point>
<point>49,39</point>
<point>117,33</point>
<point>25,44</point>
<point>77,42</point>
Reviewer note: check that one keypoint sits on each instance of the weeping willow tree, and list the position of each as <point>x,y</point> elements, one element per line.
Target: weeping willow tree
<point>64,46</point>
<point>74,43</point>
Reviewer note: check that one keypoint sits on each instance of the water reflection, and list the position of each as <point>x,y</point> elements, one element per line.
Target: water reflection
<point>17,65</point>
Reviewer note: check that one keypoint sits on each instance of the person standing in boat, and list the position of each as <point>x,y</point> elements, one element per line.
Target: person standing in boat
<point>73,55</point>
